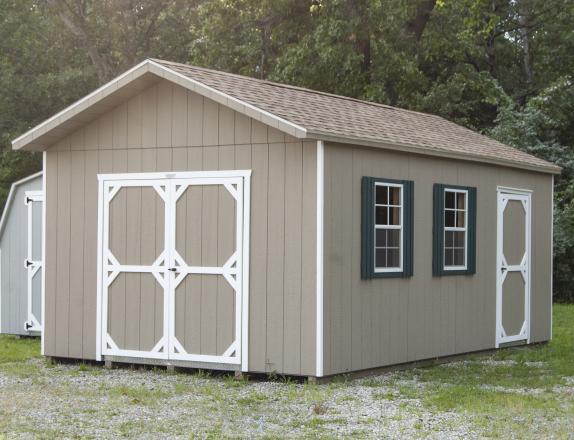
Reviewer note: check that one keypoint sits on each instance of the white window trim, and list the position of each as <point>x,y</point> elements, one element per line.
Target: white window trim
<point>387,227</point>
<point>456,229</point>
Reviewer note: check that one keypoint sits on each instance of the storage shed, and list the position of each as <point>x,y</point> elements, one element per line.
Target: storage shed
<point>204,219</point>
<point>21,258</point>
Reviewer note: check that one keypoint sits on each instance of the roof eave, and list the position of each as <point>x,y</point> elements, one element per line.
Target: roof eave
<point>421,149</point>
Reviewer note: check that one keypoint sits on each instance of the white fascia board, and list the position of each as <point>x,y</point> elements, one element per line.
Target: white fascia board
<point>78,106</point>
<point>419,149</point>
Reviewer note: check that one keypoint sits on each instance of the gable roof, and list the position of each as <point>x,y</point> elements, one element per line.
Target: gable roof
<point>302,113</point>
<point>10,198</point>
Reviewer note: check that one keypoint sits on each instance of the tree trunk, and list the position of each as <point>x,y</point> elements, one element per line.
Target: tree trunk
<point>417,25</point>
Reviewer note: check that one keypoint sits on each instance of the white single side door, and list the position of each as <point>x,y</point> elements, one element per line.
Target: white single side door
<point>173,279</point>
<point>513,266</point>
<point>33,263</point>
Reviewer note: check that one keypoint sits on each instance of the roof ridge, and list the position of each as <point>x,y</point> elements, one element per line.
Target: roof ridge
<point>302,89</point>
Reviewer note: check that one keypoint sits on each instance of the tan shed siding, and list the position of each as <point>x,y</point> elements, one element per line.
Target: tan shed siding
<point>387,321</point>
<point>167,128</point>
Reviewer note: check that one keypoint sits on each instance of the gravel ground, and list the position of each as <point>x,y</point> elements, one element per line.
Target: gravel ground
<point>72,401</point>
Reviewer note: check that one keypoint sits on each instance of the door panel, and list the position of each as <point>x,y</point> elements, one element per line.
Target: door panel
<point>135,276</point>
<point>33,263</point>
<point>514,243</point>
<point>207,284</point>
<point>513,267</point>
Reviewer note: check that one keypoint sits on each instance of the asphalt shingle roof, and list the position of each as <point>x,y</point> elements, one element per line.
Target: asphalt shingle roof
<point>339,116</point>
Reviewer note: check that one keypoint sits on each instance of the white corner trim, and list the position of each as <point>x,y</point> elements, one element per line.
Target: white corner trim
<point>320,248</point>
<point>552,260</point>
<point>43,280</point>
<point>11,196</point>
<point>245,263</point>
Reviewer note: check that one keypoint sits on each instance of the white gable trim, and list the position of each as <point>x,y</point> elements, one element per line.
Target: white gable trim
<point>163,72</point>
<point>11,197</point>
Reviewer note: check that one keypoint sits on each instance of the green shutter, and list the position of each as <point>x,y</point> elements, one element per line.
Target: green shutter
<point>408,233</point>
<point>471,266</point>
<point>366,227</point>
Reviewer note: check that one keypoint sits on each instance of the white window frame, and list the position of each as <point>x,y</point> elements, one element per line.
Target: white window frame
<point>400,227</point>
<point>455,228</point>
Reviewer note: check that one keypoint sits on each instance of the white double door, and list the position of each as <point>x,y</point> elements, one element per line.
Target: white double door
<point>513,266</point>
<point>173,248</point>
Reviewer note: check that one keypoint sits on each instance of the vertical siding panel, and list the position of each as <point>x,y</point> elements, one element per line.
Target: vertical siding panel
<point>135,121</point>
<point>120,126</point>
<point>274,135</point>
<point>164,114</point>
<point>118,246</point>
<point>77,202</point>
<point>179,120</point>
<point>275,256</point>
<point>106,130</point>
<point>77,141</point>
<point>308,260</point>
<point>63,255</point>
<point>149,117</point>
<point>194,119</point>
<point>209,256</point>
<point>163,159</point>
<point>242,128</point>
<point>258,132</point>
<point>134,238</point>
<point>293,258</point>
<point>226,125</point>
<point>91,137</point>
<point>90,253</point>
<point>51,263</point>
<point>210,122</point>
<point>258,266</point>
<point>225,248</point>
<point>357,350</point>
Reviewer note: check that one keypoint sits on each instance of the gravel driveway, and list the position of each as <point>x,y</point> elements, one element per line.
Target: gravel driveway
<point>70,401</point>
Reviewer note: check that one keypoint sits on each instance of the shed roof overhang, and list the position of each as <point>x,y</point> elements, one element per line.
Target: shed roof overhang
<point>148,72</point>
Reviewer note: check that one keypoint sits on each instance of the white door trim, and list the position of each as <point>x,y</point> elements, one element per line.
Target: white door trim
<point>504,194</point>
<point>238,184</point>
<point>32,265</point>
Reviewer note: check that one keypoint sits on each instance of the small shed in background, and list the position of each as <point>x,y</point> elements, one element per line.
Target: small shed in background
<point>21,258</point>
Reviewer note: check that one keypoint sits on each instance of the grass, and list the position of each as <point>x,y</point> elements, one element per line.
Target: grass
<point>521,392</point>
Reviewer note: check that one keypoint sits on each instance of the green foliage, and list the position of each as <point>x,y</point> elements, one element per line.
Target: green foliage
<point>498,66</point>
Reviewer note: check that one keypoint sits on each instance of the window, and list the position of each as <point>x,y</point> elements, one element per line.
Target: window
<point>454,230</point>
<point>386,228</point>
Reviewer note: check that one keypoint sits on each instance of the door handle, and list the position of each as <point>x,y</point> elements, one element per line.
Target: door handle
<point>173,269</point>
<point>503,269</point>
<point>28,263</point>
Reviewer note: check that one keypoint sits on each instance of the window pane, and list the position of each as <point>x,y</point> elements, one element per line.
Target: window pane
<point>460,201</point>
<point>382,195</point>
<point>449,239</point>
<point>448,257</point>
<point>449,200</point>
<point>394,216</point>
<point>380,258</point>
<point>459,257</point>
<point>381,237</point>
<point>393,258</point>
<point>394,195</point>
<point>460,219</point>
<point>381,215</point>
<point>458,239</point>
<point>394,238</point>
<point>449,218</point>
